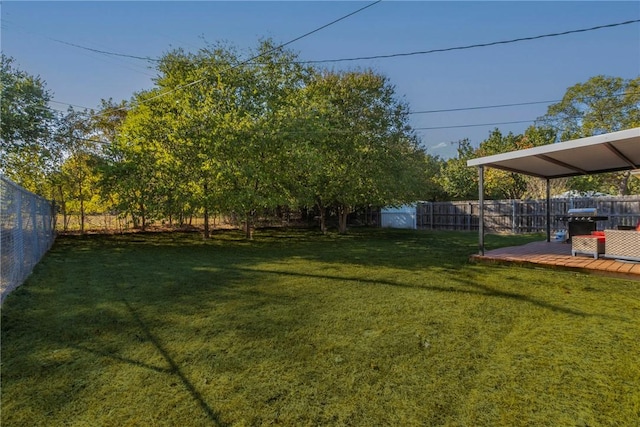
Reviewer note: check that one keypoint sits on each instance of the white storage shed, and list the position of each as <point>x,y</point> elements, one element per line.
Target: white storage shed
<point>400,217</point>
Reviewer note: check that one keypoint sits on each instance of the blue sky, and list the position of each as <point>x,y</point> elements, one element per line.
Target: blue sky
<point>527,71</point>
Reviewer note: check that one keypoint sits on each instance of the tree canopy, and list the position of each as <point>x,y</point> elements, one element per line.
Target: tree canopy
<point>26,153</point>
<point>217,134</point>
<point>600,105</point>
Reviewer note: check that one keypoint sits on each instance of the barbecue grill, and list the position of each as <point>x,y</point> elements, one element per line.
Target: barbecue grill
<point>581,221</point>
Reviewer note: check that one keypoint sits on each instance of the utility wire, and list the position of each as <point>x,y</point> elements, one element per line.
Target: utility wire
<point>483,107</point>
<point>373,57</point>
<point>473,46</point>
<point>261,54</point>
<point>94,50</point>
<point>318,29</point>
<point>148,58</point>
<point>474,125</point>
<point>449,110</point>
<point>484,124</point>
<point>615,95</point>
<point>582,30</point>
<point>105,52</point>
<point>70,105</point>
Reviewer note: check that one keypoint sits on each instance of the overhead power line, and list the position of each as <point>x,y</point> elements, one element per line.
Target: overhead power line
<point>475,125</point>
<point>69,105</point>
<point>361,58</point>
<point>483,107</point>
<point>90,49</point>
<point>372,57</point>
<point>104,52</point>
<point>320,28</point>
<point>582,30</point>
<point>261,54</point>
<point>615,95</point>
<point>148,58</point>
<point>472,46</point>
<point>517,104</point>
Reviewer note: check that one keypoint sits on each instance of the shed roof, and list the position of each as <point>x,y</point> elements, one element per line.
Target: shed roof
<point>610,152</point>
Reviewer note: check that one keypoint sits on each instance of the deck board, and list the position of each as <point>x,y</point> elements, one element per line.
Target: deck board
<point>558,255</point>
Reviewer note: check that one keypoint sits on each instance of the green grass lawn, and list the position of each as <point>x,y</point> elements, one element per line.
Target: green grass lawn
<point>378,327</point>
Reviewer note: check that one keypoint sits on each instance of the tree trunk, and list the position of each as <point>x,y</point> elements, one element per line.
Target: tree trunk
<point>248,226</point>
<point>323,216</point>
<point>323,220</point>
<point>81,209</point>
<point>343,212</point>
<point>143,218</point>
<point>623,188</point>
<point>207,233</point>
<point>81,216</point>
<point>63,209</point>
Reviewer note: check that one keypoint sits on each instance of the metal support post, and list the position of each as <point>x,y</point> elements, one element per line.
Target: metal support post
<point>481,205</point>
<point>548,210</point>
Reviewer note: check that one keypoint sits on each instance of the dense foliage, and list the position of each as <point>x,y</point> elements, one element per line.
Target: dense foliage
<point>600,105</point>
<point>25,149</point>
<point>221,135</point>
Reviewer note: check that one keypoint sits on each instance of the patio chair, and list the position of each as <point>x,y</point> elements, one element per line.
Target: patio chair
<point>622,244</point>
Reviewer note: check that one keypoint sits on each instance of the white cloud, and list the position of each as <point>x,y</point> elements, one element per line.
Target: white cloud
<point>441,145</point>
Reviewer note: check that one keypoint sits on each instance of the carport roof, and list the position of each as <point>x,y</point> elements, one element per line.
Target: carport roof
<point>610,152</point>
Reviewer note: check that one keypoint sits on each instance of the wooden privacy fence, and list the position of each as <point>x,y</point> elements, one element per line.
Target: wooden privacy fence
<point>524,216</point>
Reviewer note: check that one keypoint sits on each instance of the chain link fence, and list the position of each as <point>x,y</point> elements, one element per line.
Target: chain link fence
<point>27,231</point>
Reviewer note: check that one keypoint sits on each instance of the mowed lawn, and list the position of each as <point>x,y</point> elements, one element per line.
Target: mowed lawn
<point>375,328</point>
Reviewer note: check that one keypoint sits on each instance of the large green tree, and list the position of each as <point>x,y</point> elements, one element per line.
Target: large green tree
<point>75,181</point>
<point>243,137</point>
<point>433,190</point>
<point>138,158</point>
<point>26,149</point>
<point>214,134</point>
<point>185,90</point>
<point>500,184</point>
<point>261,150</point>
<point>458,180</point>
<point>363,150</point>
<point>227,125</point>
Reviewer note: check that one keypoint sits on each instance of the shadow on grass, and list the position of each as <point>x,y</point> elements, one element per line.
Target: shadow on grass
<point>174,368</point>
<point>82,286</point>
<point>118,358</point>
<point>480,290</point>
<point>409,249</point>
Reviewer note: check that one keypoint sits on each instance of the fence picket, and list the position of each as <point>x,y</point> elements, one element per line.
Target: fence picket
<point>524,216</point>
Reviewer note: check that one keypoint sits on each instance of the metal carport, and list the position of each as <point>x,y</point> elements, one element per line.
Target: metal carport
<point>610,152</point>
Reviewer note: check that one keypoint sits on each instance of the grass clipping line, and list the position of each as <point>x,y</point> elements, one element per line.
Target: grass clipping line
<point>379,327</point>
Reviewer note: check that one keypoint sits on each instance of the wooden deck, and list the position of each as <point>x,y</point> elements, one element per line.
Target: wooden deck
<point>558,255</point>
